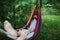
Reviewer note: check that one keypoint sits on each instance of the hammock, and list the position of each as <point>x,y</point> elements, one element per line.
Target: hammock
<point>38,23</point>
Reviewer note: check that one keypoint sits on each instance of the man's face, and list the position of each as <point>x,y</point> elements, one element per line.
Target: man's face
<point>35,16</point>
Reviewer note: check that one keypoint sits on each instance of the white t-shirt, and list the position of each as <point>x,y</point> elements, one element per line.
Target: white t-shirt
<point>33,24</point>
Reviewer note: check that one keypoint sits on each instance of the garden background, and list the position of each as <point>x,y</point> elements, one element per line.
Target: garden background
<point>17,13</point>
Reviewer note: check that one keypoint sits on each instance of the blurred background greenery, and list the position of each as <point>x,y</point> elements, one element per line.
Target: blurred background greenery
<point>17,13</point>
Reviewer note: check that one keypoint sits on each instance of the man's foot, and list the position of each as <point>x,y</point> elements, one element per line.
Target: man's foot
<point>9,28</point>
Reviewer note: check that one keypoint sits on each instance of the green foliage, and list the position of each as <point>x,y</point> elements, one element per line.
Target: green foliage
<point>44,1</point>
<point>16,11</point>
<point>49,9</point>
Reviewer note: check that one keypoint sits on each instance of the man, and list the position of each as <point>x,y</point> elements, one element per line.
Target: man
<point>22,34</point>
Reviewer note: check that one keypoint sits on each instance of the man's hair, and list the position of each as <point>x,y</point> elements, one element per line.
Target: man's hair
<point>35,17</point>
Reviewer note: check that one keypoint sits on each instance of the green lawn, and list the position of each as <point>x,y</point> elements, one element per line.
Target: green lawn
<point>50,27</point>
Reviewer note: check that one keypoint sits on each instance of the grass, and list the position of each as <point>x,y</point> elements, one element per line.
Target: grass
<point>50,27</point>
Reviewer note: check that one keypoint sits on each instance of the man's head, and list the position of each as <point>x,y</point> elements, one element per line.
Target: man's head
<point>35,17</point>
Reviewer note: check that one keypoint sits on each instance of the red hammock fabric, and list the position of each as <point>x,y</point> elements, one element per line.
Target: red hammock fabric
<point>38,24</point>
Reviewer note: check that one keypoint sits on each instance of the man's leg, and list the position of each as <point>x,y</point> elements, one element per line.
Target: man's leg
<point>7,34</point>
<point>10,29</point>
